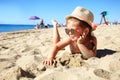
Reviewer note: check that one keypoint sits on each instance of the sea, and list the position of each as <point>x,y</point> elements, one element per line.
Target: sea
<point>15,27</point>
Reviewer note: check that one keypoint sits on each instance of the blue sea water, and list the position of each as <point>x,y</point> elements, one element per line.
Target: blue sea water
<point>14,27</point>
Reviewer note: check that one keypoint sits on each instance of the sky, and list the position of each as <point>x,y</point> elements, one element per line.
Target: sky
<point>19,11</point>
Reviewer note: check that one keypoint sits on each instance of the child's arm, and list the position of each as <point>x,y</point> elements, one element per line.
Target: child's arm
<point>60,45</point>
<point>87,52</point>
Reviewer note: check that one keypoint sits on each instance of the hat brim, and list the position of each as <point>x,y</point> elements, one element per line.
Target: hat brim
<point>71,16</point>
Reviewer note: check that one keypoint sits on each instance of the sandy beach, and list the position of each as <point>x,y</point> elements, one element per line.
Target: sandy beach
<point>22,53</point>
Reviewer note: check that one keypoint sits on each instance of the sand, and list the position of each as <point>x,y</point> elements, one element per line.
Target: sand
<point>22,53</point>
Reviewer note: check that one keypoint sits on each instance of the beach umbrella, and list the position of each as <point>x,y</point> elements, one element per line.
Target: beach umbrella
<point>34,18</point>
<point>104,13</point>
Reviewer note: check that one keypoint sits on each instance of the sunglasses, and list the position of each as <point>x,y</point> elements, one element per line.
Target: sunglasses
<point>67,30</point>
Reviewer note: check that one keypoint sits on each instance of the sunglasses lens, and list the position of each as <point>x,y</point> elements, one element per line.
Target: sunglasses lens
<point>66,30</point>
<point>72,31</point>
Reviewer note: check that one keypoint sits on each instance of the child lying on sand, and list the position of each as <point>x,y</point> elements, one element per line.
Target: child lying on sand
<point>79,29</point>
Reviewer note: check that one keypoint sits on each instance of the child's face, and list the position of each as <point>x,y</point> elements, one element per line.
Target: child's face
<point>73,29</point>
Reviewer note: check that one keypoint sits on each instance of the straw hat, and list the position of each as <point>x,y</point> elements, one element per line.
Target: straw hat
<point>82,14</point>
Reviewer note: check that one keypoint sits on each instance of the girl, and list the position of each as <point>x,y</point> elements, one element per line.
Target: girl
<point>79,29</point>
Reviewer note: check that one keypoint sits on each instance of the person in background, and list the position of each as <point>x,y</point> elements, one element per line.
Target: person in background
<point>47,26</point>
<point>42,23</point>
<point>36,26</point>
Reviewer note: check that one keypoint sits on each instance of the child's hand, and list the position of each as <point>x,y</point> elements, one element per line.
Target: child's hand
<point>49,61</point>
<point>54,22</point>
<point>81,38</point>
